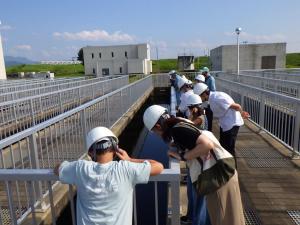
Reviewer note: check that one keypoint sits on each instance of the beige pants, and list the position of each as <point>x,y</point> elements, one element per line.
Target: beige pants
<point>225,205</point>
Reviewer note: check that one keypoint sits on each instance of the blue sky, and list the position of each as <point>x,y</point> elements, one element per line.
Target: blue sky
<point>57,29</point>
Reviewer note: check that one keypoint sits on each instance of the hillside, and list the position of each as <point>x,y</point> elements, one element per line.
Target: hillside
<point>293,60</point>
<point>12,61</point>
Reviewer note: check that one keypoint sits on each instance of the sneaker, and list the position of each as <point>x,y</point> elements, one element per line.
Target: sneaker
<point>185,220</point>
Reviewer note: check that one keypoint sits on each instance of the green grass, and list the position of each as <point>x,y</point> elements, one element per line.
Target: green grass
<point>58,70</point>
<point>293,60</point>
<point>165,65</point>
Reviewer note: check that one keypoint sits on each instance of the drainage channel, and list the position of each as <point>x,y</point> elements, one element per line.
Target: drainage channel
<point>140,143</point>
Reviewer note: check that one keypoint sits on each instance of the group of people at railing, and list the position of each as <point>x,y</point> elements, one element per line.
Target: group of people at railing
<point>212,180</point>
<point>105,187</point>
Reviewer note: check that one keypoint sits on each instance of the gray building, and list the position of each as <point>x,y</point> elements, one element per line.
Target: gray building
<point>252,56</point>
<point>117,60</point>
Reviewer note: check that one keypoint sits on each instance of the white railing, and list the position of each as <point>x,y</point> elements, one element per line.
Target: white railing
<point>286,87</point>
<point>25,211</point>
<point>47,88</point>
<point>62,138</point>
<point>25,84</point>
<point>23,113</point>
<point>282,74</point>
<point>277,114</point>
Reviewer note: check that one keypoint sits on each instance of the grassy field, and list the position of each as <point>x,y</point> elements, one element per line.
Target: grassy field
<point>165,65</point>
<point>293,60</point>
<point>158,66</point>
<point>58,70</point>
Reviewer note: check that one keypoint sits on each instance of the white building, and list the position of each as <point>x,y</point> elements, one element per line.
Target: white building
<point>2,65</point>
<point>116,60</point>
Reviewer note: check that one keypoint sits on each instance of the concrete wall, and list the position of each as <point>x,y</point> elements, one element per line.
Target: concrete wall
<point>216,58</point>
<point>185,63</point>
<point>123,59</point>
<point>225,57</point>
<point>2,64</point>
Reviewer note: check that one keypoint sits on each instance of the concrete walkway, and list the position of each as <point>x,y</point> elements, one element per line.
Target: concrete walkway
<point>269,179</point>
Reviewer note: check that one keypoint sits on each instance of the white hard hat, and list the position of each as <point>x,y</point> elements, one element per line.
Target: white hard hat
<point>99,134</point>
<point>200,88</point>
<point>172,72</point>
<point>200,77</point>
<point>189,82</point>
<point>152,115</point>
<point>193,100</point>
<point>181,81</point>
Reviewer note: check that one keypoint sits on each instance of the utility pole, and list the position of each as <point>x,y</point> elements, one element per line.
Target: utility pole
<point>157,59</point>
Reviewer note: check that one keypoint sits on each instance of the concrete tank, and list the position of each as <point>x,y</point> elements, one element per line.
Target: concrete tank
<point>185,63</point>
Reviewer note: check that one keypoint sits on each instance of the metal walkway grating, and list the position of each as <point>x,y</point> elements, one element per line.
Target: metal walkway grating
<point>251,217</point>
<point>295,215</point>
<point>246,152</point>
<point>262,157</point>
<point>270,163</point>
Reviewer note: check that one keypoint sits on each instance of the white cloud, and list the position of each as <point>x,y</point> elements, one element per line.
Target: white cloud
<point>259,38</point>
<point>95,35</point>
<point>5,27</point>
<point>23,47</point>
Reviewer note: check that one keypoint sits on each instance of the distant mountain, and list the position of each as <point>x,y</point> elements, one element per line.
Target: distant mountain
<point>12,61</point>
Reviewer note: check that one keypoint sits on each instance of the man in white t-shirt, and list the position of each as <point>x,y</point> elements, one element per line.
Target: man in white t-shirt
<point>229,113</point>
<point>105,187</point>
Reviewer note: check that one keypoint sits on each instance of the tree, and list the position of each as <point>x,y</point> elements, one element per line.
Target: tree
<point>80,56</point>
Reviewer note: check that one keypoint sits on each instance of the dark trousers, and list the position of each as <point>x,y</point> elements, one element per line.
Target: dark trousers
<point>228,138</point>
<point>209,115</point>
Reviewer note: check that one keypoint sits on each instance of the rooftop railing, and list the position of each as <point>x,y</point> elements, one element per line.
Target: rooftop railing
<point>21,114</point>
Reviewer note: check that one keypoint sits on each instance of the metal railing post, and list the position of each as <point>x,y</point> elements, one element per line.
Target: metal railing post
<point>296,133</point>
<point>262,112</point>
<point>83,123</point>
<point>61,103</point>
<point>32,112</point>
<point>175,220</point>
<point>35,165</point>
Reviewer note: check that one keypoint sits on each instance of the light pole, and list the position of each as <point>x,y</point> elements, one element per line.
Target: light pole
<point>238,31</point>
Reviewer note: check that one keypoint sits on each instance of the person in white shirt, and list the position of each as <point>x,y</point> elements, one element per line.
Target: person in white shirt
<point>185,87</point>
<point>229,113</point>
<point>105,187</point>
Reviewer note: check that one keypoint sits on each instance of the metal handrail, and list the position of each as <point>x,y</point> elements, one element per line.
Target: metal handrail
<point>287,87</point>
<point>47,176</point>
<point>26,112</point>
<point>48,87</point>
<point>27,84</point>
<point>275,113</point>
